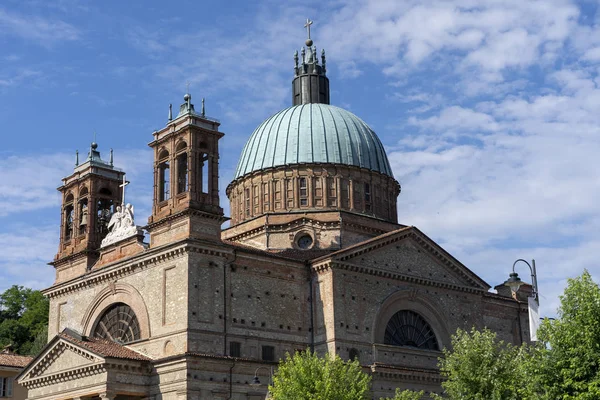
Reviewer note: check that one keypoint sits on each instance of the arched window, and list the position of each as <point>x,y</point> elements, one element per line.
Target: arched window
<point>182,173</point>
<point>353,354</point>
<point>407,328</point>
<point>83,216</point>
<point>164,177</point>
<point>104,209</point>
<point>119,324</point>
<point>203,173</point>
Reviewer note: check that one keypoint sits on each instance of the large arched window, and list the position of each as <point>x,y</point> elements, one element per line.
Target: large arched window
<point>119,324</point>
<point>407,328</point>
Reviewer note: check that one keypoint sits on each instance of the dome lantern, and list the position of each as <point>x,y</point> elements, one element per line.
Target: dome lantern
<point>310,84</point>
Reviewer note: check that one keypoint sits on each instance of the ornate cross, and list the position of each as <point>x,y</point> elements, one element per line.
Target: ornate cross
<point>125,183</point>
<point>307,26</point>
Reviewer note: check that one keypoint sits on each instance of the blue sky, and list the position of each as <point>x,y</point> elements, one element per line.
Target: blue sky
<point>489,111</point>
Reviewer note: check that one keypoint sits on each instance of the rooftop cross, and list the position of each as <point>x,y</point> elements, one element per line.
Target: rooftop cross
<point>187,87</point>
<point>125,183</point>
<point>307,26</point>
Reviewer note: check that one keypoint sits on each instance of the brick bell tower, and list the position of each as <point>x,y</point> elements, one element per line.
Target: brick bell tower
<point>89,197</point>
<point>186,178</point>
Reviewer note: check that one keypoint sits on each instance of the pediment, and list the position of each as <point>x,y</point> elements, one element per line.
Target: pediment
<point>408,254</point>
<point>58,357</point>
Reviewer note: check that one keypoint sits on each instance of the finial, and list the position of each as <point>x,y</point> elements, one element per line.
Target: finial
<point>296,62</point>
<point>76,158</point>
<point>94,145</point>
<point>111,157</point>
<point>303,54</point>
<point>307,25</point>
<point>170,112</point>
<point>323,59</point>
<point>203,113</point>
<point>315,59</point>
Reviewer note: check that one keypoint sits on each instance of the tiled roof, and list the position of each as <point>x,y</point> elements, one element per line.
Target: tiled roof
<point>13,360</point>
<point>104,347</point>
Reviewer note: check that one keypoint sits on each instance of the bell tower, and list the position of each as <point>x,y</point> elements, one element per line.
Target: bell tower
<point>89,197</point>
<point>186,177</point>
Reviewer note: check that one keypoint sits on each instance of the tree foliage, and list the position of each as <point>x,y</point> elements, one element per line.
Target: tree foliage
<point>479,367</point>
<point>307,376</point>
<point>406,395</point>
<point>566,363</point>
<point>23,318</point>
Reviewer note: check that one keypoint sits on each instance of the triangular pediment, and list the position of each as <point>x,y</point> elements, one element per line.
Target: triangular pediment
<point>60,356</point>
<point>407,254</point>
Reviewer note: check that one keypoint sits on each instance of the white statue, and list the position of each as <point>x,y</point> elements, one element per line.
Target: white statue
<point>121,225</point>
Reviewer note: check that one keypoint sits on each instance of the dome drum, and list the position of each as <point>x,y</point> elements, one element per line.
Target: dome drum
<point>313,187</point>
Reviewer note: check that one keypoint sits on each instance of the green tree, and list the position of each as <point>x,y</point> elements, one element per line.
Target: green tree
<point>307,376</point>
<point>479,367</point>
<point>23,317</point>
<point>406,395</point>
<point>566,363</point>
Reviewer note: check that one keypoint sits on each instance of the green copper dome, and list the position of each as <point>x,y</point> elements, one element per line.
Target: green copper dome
<point>313,133</point>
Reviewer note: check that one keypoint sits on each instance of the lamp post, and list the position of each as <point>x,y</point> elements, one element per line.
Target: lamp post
<point>256,381</point>
<point>514,282</point>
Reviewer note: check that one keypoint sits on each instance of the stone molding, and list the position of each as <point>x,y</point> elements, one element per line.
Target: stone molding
<point>438,253</point>
<point>323,267</point>
<point>55,352</point>
<point>125,268</point>
<point>410,299</point>
<point>117,293</point>
<point>406,374</point>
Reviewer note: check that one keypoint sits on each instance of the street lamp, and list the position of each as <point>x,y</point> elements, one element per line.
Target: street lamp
<point>514,282</point>
<point>256,381</point>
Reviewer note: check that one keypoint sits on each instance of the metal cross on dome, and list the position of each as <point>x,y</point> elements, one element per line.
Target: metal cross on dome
<point>307,26</point>
<point>125,183</point>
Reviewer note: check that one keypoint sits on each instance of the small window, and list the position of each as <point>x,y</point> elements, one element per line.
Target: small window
<point>303,192</point>
<point>247,201</point>
<point>235,349</point>
<point>268,353</point>
<point>367,197</point>
<point>6,386</point>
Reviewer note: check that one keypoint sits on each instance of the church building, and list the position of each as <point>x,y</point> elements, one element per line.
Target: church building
<point>313,257</point>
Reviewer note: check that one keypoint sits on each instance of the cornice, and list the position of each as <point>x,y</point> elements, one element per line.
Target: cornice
<point>393,237</point>
<point>123,268</point>
<point>186,212</point>
<point>64,376</point>
<point>405,373</point>
<point>323,267</point>
<point>80,254</point>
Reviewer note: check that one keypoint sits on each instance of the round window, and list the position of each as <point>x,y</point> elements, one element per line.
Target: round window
<point>305,241</point>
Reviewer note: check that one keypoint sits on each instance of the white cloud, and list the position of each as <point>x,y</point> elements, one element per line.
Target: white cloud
<point>44,31</point>
<point>24,255</point>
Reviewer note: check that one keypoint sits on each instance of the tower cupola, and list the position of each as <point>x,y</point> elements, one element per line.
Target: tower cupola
<point>310,84</point>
